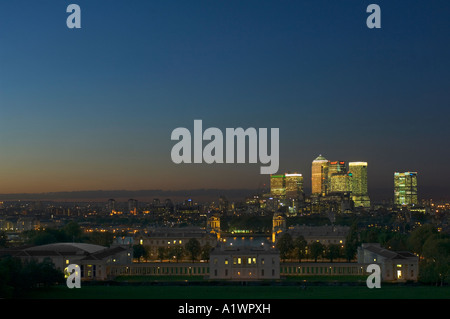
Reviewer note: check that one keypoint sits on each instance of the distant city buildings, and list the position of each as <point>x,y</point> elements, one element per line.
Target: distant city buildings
<point>405,189</point>
<point>330,178</point>
<point>132,206</point>
<point>287,185</point>
<point>338,181</point>
<point>111,206</point>
<point>287,190</point>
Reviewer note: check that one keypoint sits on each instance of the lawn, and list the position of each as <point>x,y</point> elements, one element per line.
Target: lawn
<point>242,292</point>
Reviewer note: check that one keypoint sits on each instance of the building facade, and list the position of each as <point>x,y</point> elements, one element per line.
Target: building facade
<point>94,260</point>
<point>294,185</point>
<point>405,189</point>
<point>319,176</point>
<point>167,238</point>
<point>325,235</point>
<point>278,186</point>
<point>358,184</point>
<point>395,266</point>
<point>335,167</point>
<point>244,263</point>
<point>339,183</point>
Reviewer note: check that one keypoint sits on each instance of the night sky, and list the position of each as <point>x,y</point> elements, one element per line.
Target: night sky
<point>94,108</point>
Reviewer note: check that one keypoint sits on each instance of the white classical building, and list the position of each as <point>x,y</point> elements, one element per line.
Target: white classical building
<point>240,262</point>
<point>95,261</point>
<point>395,266</point>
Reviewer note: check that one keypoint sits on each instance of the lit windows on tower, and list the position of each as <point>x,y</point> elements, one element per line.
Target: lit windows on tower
<point>405,189</point>
<point>358,183</point>
<point>337,178</point>
<point>294,185</point>
<point>319,175</point>
<point>340,183</point>
<point>277,186</point>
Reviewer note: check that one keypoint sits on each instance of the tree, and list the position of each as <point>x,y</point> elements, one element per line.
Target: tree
<point>397,242</point>
<point>333,251</point>
<point>316,250</point>
<point>285,245</point>
<point>351,243</point>
<point>139,252</point>
<point>17,277</point>
<point>41,273</point>
<point>3,239</point>
<point>162,253</point>
<point>436,252</point>
<point>72,231</point>
<point>300,247</point>
<point>101,238</point>
<point>205,252</point>
<point>371,235</point>
<point>44,238</point>
<point>193,248</point>
<point>419,236</point>
<point>10,277</point>
<point>177,252</point>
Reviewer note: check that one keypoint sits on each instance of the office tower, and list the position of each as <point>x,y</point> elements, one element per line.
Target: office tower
<point>358,183</point>
<point>319,176</point>
<point>339,183</point>
<point>277,186</point>
<point>405,189</point>
<point>336,167</point>
<point>132,206</point>
<point>111,205</point>
<point>333,168</point>
<point>294,185</point>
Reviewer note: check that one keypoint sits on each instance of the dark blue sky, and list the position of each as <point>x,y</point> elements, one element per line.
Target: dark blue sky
<point>94,108</point>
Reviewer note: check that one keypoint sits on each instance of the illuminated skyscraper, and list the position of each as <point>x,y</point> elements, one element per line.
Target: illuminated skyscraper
<point>277,186</point>
<point>294,185</point>
<point>335,167</point>
<point>405,189</point>
<point>339,183</point>
<point>358,183</point>
<point>319,175</point>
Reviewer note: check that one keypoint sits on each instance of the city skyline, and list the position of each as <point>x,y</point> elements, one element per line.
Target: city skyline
<point>93,108</point>
<point>336,176</point>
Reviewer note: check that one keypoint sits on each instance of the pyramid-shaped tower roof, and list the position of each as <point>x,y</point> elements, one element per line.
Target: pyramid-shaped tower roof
<point>320,158</point>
